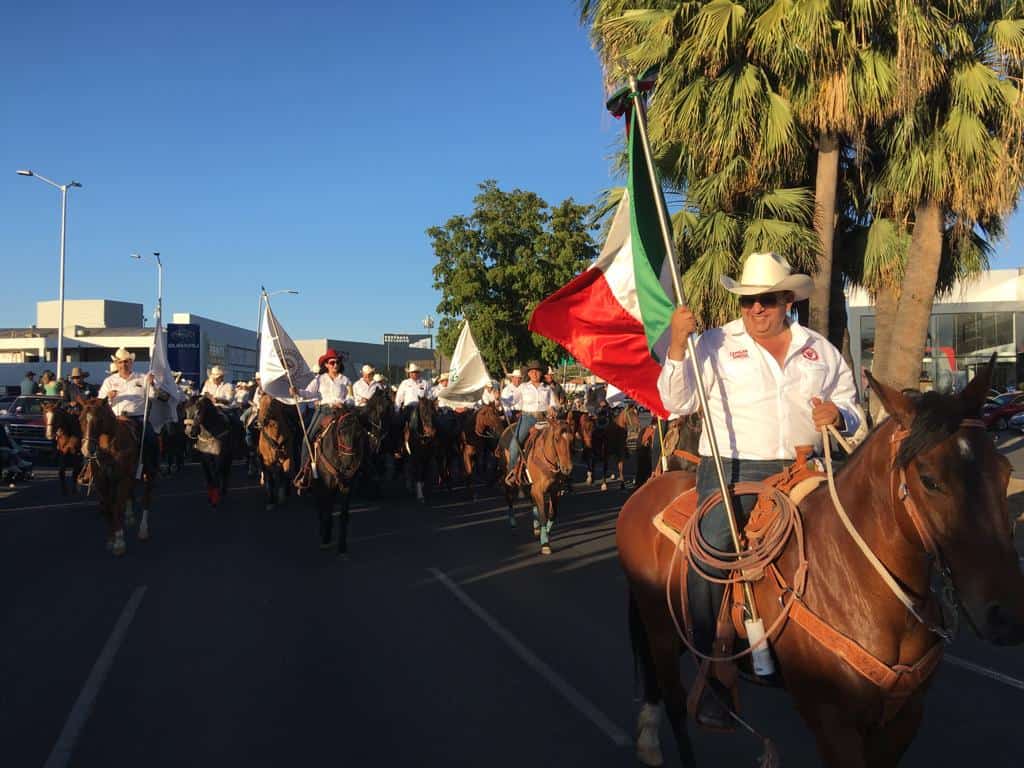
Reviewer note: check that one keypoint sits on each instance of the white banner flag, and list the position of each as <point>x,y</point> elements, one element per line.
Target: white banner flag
<point>468,375</point>
<point>278,357</point>
<point>162,412</point>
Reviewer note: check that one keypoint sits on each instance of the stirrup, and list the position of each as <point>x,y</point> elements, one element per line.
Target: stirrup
<point>303,478</point>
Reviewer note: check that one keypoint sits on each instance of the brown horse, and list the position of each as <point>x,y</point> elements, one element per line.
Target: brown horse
<point>110,446</point>
<point>927,492</point>
<point>548,460</point>
<point>280,433</point>
<point>63,427</point>
<point>614,445</point>
<point>478,428</point>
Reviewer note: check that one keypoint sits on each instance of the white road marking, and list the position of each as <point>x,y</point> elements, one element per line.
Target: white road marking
<point>61,754</point>
<point>156,497</point>
<point>570,694</point>
<point>991,674</point>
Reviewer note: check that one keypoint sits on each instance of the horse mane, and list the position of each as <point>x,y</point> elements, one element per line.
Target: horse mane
<point>937,417</point>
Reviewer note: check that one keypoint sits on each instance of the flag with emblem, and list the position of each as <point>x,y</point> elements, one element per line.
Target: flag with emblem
<point>279,359</point>
<point>614,317</point>
<point>467,375</point>
<point>162,411</point>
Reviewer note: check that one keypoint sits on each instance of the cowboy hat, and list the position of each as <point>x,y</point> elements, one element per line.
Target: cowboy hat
<point>534,365</point>
<point>113,368</point>
<point>76,371</point>
<point>367,369</point>
<point>216,371</point>
<point>515,374</point>
<point>413,368</point>
<point>330,354</point>
<point>490,385</point>
<point>768,273</point>
<point>377,377</point>
<point>122,354</point>
<point>444,376</point>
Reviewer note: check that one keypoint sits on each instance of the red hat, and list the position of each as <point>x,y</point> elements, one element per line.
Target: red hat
<point>330,354</point>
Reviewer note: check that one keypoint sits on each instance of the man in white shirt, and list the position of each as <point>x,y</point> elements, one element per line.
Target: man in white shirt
<point>771,385</point>
<point>243,395</point>
<point>510,397</point>
<point>364,387</point>
<point>409,393</point>
<point>535,399</point>
<point>219,391</point>
<point>126,391</point>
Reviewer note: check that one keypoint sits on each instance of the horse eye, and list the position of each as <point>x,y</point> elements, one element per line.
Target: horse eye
<point>929,482</point>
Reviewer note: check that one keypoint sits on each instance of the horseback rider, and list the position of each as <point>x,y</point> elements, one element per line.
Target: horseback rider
<point>771,385</point>
<point>408,395</point>
<point>490,393</point>
<point>76,389</point>
<point>126,392</point>
<point>219,391</point>
<point>365,386</point>
<point>332,391</point>
<point>536,399</point>
<point>511,398</point>
<point>557,393</point>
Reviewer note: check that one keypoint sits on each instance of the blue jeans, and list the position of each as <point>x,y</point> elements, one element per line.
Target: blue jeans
<point>706,597</point>
<point>519,436</point>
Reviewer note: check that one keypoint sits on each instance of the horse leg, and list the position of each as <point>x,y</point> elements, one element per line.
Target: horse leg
<point>324,502</point>
<point>663,649</point>
<point>269,487</point>
<point>622,474</point>
<point>841,743</point>
<point>648,742</point>
<point>885,744</point>
<point>537,493</point>
<point>343,519</point>
<point>588,458</point>
<point>122,492</point>
<point>147,495</point>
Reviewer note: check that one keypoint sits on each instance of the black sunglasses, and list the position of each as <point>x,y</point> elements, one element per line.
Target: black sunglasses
<point>332,362</point>
<point>766,300</point>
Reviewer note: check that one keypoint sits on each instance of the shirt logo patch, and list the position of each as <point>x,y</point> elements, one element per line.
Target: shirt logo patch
<point>810,354</point>
<point>739,354</point>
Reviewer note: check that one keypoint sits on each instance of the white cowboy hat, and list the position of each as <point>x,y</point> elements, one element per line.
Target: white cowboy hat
<point>413,368</point>
<point>768,273</point>
<point>444,376</point>
<point>216,371</point>
<point>490,385</point>
<point>122,354</point>
<point>377,377</point>
<point>113,368</point>
<point>367,369</point>
<point>242,385</point>
<point>515,374</point>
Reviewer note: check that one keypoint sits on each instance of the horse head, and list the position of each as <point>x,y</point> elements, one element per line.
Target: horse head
<point>952,484</point>
<point>427,412</point>
<point>489,421</point>
<point>96,419</point>
<point>559,436</point>
<point>345,452</point>
<point>53,416</point>
<point>196,409</point>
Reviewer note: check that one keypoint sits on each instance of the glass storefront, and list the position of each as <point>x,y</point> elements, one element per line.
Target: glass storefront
<point>957,344</point>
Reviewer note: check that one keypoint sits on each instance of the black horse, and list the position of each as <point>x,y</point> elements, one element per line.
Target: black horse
<point>218,440</point>
<point>377,418</point>
<point>340,450</point>
<point>420,442</point>
<point>173,442</point>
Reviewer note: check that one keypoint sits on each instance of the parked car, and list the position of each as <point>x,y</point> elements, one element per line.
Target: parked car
<point>996,413</point>
<point>24,420</point>
<point>1017,422</point>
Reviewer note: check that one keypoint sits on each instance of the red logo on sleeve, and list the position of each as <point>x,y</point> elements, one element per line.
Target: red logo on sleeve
<point>739,354</point>
<point>810,354</point>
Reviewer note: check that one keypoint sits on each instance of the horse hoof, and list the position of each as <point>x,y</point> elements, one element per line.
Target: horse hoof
<point>604,486</point>
<point>545,549</point>
<point>144,532</point>
<point>650,756</point>
<point>511,521</point>
<point>536,532</point>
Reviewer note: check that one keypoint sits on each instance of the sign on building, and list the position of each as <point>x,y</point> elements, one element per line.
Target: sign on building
<point>183,350</point>
<point>415,340</point>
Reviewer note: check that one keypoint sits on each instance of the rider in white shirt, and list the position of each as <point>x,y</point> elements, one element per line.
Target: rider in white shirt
<point>365,386</point>
<point>535,399</point>
<point>332,391</point>
<point>511,400</point>
<point>219,391</point>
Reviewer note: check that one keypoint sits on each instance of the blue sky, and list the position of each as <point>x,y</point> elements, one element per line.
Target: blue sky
<point>302,146</point>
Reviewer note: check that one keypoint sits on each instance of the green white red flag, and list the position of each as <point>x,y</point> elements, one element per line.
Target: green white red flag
<point>614,317</point>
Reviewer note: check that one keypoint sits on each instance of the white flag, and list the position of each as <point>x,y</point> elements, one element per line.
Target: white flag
<point>468,375</point>
<point>278,357</point>
<point>162,412</point>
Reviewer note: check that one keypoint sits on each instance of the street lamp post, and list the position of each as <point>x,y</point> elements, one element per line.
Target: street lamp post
<point>159,283</point>
<point>63,228</point>
<point>428,323</point>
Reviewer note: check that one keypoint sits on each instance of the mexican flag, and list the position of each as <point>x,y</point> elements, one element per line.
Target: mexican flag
<point>614,317</point>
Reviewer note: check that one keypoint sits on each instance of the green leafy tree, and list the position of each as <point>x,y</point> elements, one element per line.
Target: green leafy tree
<point>497,263</point>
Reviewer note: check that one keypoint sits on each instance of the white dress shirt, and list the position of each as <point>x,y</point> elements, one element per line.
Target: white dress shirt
<point>410,391</point>
<point>363,390</point>
<point>331,392</point>
<point>222,394</point>
<point>511,397</point>
<point>758,410</point>
<point>534,398</point>
<point>131,393</point>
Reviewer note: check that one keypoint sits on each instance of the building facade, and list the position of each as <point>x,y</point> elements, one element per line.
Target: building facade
<point>977,318</point>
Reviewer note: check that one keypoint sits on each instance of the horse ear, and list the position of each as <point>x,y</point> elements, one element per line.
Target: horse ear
<point>896,404</point>
<point>976,392</point>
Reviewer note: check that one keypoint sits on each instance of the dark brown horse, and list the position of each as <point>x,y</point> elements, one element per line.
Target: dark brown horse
<point>548,460</point>
<point>341,448</point>
<point>110,446</point>
<point>63,427</point>
<point>218,441</point>
<point>616,435</point>
<point>927,492</point>
<point>480,429</point>
<point>280,436</point>
<point>421,443</point>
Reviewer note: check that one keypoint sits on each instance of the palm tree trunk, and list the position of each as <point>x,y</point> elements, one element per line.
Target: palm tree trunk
<point>886,304</point>
<point>916,297</point>
<point>824,224</point>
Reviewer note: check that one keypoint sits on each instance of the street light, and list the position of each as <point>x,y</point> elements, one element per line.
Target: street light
<point>63,227</point>
<point>428,323</point>
<point>159,283</point>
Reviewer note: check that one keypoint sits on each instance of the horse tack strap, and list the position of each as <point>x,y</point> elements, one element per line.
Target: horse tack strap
<point>690,457</point>
<point>896,682</point>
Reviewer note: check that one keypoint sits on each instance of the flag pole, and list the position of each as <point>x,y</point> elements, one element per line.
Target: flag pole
<point>275,334</point>
<point>666,233</point>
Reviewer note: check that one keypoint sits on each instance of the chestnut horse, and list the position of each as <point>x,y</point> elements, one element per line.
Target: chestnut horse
<point>927,492</point>
<point>478,431</point>
<point>110,446</point>
<point>548,461</point>
<point>63,427</point>
<point>341,449</point>
<point>280,436</point>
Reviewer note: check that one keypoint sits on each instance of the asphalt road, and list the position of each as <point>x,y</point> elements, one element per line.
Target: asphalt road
<point>445,640</point>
